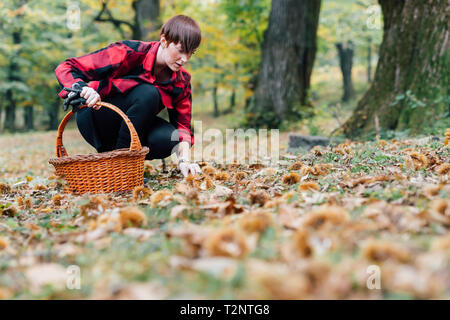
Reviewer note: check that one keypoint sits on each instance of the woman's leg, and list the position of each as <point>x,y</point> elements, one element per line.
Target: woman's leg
<point>161,139</point>
<point>104,128</point>
<point>144,104</point>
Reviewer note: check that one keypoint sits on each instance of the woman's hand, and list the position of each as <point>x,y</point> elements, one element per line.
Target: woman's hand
<point>188,167</point>
<point>184,164</point>
<point>91,96</point>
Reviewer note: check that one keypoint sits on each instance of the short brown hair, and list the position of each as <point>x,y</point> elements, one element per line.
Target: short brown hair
<point>182,29</point>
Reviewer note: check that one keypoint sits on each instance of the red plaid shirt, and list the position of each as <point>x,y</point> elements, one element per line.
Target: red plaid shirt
<point>122,66</point>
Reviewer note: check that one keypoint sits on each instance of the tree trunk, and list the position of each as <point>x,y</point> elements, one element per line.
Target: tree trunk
<point>215,102</point>
<point>147,18</point>
<point>369,59</point>
<point>1,114</point>
<point>10,116</point>
<point>28,118</point>
<point>411,82</point>
<point>345,52</point>
<point>251,85</point>
<point>288,53</point>
<point>232,100</point>
<point>9,123</point>
<point>53,115</point>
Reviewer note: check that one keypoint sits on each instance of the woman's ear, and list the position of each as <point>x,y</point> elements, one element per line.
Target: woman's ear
<point>163,41</point>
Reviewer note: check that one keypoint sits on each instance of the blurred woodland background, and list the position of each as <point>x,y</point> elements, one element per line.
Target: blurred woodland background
<point>317,67</point>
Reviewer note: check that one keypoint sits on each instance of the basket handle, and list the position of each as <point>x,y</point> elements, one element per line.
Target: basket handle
<point>135,144</point>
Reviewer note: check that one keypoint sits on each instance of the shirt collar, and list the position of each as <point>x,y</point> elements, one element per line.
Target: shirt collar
<point>150,59</point>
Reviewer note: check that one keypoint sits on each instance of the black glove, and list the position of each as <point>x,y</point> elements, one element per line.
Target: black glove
<point>73,99</point>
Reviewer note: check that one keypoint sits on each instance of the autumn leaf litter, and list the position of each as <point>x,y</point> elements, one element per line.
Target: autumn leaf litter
<point>309,228</point>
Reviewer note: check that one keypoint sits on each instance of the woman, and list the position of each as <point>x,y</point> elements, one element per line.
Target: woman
<point>141,78</point>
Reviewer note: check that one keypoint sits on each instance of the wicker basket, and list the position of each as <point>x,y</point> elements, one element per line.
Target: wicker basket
<point>118,170</point>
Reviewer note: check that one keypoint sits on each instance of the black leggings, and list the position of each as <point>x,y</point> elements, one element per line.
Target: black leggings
<point>105,130</point>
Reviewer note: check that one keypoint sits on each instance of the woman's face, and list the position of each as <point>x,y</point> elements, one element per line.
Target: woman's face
<point>174,56</point>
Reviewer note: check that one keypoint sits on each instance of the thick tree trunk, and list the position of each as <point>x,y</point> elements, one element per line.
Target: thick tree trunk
<point>288,53</point>
<point>345,52</point>
<point>411,82</point>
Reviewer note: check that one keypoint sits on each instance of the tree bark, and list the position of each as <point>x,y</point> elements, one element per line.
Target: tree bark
<point>345,52</point>
<point>411,83</point>
<point>288,53</point>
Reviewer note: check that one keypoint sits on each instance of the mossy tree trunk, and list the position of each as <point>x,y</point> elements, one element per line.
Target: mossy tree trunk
<point>288,53</point>
<point>411,83</point>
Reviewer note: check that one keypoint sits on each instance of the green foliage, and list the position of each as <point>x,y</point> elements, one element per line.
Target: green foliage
<point>408,98</point>
<point>44,42</point>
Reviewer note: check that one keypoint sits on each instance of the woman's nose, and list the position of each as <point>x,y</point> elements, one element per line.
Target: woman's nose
<point>184,58</point>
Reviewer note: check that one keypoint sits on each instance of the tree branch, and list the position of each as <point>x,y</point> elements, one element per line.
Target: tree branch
<point>116,22</point>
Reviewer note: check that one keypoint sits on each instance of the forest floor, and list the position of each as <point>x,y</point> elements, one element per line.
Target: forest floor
<point>354,220</point>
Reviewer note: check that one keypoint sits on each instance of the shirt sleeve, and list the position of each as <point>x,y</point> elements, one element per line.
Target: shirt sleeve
<point>182,116</point>
<point>93,66</point>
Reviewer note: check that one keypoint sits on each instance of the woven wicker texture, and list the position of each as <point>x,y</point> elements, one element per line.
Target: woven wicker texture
<point>118,170</point>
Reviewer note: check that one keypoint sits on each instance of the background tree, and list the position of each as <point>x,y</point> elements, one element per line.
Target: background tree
<point>350,27</point>
<point>247,20</point>
<point>411,84</point>
<point>12,27</point>
<point>287,59</point>
<point>141,25</point>
<point>215,67</point>
<point>35,38</point>
<point>345,54</point>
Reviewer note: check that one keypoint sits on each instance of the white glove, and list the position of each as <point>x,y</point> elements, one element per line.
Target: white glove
<point>91,96</point>
<point>187,167</point>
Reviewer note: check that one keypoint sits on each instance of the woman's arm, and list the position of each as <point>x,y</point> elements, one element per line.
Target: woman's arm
<point>97,65</point>
<point>181,118</point>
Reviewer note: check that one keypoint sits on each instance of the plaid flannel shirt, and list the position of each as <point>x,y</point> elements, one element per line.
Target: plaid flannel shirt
<point>122,66</point>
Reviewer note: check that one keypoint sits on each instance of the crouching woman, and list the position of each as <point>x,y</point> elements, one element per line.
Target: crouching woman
<point>141,78</point>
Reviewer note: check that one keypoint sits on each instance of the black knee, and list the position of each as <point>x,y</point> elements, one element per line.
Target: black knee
<point>147,98</point>
<point>162,140</point>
